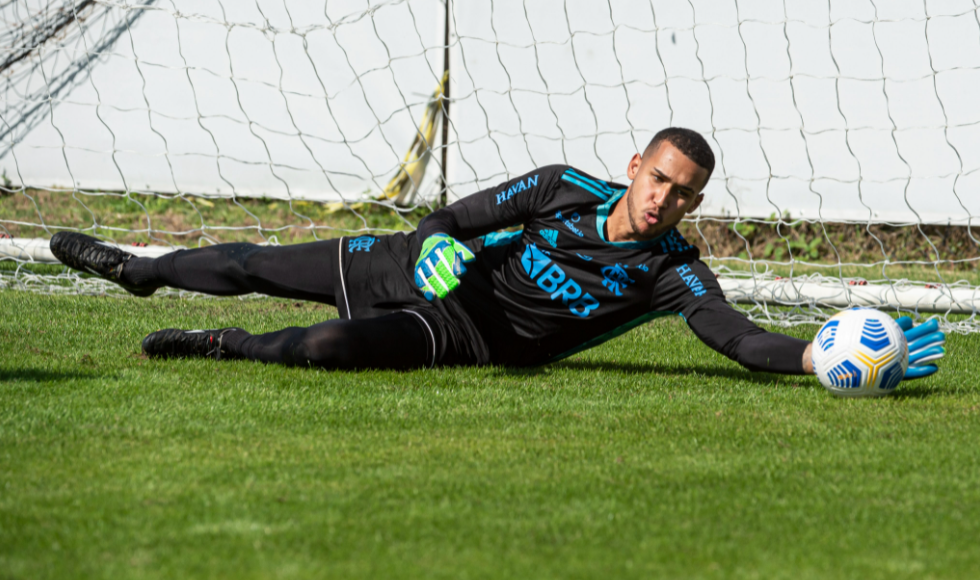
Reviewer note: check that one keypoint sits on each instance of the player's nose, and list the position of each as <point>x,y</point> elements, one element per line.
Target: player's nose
<point>660,195</point>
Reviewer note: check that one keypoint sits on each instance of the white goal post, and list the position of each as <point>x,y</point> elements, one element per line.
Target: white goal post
<point>847,132</point>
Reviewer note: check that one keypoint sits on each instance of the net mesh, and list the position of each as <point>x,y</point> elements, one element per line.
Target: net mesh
<point>846,133</point>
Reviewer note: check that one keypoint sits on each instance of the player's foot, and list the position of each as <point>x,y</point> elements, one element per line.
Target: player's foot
<point>177,343</point>
<point>94,256</point>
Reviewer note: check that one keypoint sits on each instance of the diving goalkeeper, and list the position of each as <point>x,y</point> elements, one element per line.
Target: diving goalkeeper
<point>593,259</point>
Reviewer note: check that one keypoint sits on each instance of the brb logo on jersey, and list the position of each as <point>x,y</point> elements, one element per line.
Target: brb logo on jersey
<point>518,187</point>
<point>691,279</point>
<point>551,278</point>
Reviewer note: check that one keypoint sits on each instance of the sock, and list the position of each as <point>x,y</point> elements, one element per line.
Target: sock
<point>139,272</point>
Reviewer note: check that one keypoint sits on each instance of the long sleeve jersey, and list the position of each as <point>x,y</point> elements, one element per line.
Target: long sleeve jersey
<point>557,285</point>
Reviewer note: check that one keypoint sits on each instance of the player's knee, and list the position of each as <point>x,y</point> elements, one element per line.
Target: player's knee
<point>252,261</point>
<point>325,347</point>
<point>229,261</point>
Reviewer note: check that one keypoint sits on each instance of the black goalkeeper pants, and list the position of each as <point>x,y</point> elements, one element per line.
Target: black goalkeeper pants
<point>298,272</point>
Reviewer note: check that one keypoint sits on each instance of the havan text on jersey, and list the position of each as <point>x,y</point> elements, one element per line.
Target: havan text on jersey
<point>518,187</point>
<point>691,279</point>
<point>552,279</point>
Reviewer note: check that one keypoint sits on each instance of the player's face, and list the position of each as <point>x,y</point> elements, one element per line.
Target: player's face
<point>666,185</point>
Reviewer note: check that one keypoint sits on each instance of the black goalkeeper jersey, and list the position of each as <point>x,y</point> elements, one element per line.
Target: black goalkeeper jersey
<point>557,285</point>
<point>551,286</point>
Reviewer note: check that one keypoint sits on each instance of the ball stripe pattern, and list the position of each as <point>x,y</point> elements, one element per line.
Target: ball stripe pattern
<point>825,339</point>
<point>892,377</point>
<point>845,375</point>
<point>874,335</point>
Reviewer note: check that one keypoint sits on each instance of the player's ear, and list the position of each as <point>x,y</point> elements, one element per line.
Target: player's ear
<point>634,166</point>
<point>695,204</point>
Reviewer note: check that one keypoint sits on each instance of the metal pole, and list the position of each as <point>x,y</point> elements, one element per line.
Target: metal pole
<point>445,106</point>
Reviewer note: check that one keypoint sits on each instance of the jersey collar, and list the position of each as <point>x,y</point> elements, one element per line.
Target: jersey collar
<point>602,214</point>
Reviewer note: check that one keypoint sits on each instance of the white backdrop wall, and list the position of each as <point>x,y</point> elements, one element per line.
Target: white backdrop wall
<point>838,110</point>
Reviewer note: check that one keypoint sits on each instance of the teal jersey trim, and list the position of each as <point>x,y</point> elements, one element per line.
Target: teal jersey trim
<point>602,214</point>
<point>602,186</point>
<point>501,238</point>
<point>600,189</point>
<point>619,330</point>
<point>586,186</point>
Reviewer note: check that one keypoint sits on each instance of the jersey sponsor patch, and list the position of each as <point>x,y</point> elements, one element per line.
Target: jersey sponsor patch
<point>616,279</point>
<point>522,185</point>
<point>691,279</point>
<point>534,260</point>
<point>570,223</point>
<point>586,258</point>
<point>552,279</point>
<point>361,244</point>
<point>551,236</point>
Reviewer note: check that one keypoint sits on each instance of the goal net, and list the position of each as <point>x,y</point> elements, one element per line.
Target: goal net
<point>847,133</point>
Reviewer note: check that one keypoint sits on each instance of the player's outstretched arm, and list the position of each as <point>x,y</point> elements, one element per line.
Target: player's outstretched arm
<point>691,290</point>
<point>441,262</point>
<point>729,332</point>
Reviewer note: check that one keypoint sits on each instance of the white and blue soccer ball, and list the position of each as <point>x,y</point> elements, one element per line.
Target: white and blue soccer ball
<point>860,353</point>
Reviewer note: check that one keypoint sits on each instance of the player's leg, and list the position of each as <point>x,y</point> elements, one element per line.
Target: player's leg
<point>402,340</point>
<point>301,271</point>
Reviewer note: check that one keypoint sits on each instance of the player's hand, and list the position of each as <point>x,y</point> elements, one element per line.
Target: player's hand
<point>440,264</point>
<point>925,346</point>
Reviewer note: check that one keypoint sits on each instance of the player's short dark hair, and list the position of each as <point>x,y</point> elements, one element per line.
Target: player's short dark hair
<point>688,142</point>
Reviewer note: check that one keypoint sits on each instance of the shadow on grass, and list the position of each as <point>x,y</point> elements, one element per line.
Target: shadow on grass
<point>43,376</point>
<point>915,391</point>
<point>662,370</point>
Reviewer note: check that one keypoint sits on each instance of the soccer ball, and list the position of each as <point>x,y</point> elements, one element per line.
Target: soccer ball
<point>860,353</point>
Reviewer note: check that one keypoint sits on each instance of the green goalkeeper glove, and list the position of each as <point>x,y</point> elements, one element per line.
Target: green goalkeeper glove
<point>440,265</point>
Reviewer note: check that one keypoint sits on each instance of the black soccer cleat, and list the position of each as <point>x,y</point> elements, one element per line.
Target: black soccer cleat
<point>177,343</point>
<point>94,256</point>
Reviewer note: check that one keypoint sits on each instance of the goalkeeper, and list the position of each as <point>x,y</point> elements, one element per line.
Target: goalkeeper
<point>593,259</point>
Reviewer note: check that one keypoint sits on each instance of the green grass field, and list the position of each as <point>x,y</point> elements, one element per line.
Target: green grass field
<point>649,457</point>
